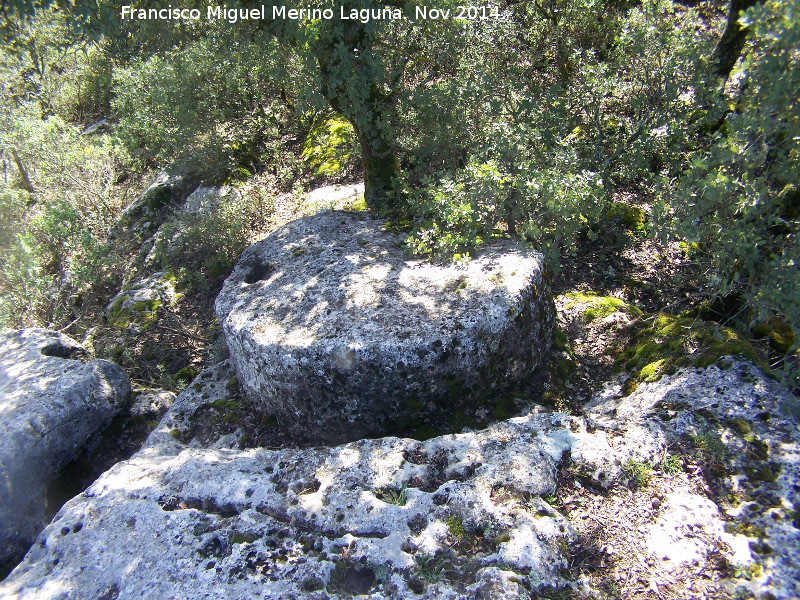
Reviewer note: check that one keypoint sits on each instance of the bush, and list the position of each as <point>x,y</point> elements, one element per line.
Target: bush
<point>183,102</point>
<point>205,246</point>
<point>53,240</point>
<point>738,199</point>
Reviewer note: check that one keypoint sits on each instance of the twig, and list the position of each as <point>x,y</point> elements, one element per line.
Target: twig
<point>185,334</point>
<point>78,318</point>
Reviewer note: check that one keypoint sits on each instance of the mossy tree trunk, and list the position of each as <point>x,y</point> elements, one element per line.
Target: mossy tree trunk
<point>362,99</point>
<point>378,155</point>
<point>730,45</point>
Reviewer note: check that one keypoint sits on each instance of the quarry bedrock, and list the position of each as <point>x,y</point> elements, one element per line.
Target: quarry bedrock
<point>51,404</point>
<point>340,335</point>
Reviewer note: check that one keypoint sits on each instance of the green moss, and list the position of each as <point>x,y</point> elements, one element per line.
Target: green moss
<point>766,472</point>
<point>560,340</point>
<point>710,445</point>
<point>739,425</point>
<point>230,418</point>
<point>456,527</point>
<point>600,306</point>
<point>176,433</point>
<point>243,538</point>
<point>630,386</point>
<point>119,317</point>
<point>223,405</point>
<point>563,367</point>
<point>782,336</point>
<point>503,408</point>
<point>652,371</point>
<point>629,217</point>
<point>746,529</point>
<point>232,385</point>
<point>757,450</point>
<point>186,374</point>
<point>329,145</point>
<point>142,312</point>
<point>359,204</point>
<point>662,344</point>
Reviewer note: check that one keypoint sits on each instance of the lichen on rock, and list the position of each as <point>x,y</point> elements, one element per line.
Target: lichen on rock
<point>51,403</point>
<point>482,514</point>
<point>137,303</point>
<point>341,336</point>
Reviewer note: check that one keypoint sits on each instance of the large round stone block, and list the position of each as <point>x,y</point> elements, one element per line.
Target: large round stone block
<point>340,335</point>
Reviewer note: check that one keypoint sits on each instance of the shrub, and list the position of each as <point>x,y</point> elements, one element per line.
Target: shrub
<point>738,200</point>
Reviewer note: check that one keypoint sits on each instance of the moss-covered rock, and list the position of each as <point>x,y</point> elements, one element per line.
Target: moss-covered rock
<point>598,307</point>
<point>663,343</point>
<point>137,304</point>
<point>780,333</point>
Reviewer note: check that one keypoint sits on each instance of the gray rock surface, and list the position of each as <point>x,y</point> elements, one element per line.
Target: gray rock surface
<point>51,403</point>
<point>145,214</point>
<point>333,197</point>
<point>460,516</point>
<point>338,334</point>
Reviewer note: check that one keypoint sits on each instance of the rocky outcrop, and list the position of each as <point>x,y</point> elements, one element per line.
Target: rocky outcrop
<point>51,403</point>
<point>499,513</point>
<point>137,304</point>
<point>338,334</point>
<point>145,214</point>
<point>334,197</point>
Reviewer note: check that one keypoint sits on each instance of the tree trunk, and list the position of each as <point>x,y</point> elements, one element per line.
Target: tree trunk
<point>23,172</point>
<point>377,156</point>
<point>372,116</point>
<point>730,45</point>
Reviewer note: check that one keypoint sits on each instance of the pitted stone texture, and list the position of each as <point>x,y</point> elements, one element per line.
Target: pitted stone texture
<point>50,405</point>
<point>381,518</point>
<point>341,336</point>
<point>750,428</point>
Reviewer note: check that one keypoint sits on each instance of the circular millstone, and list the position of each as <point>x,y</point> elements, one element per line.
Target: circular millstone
<point>340,335</point>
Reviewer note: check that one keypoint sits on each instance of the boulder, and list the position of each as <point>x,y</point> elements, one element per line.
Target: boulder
<point>145,214</point>
<point>499,513</point>
<point>136,304</point>
<point>338,334</point>
<point>51,403</point>
<point>334,197</point>
<point>205,200</point>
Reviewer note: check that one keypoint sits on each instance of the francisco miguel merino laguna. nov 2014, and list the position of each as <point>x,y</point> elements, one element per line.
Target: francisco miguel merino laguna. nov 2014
<point>234,15</point>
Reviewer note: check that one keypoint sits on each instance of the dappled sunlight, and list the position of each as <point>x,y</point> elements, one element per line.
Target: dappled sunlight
<point>348,456</point>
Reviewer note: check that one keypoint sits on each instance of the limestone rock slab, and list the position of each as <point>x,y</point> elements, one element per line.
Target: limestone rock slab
<point>340,335</point>
<point>460,516</point>
<point>50,405</point>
